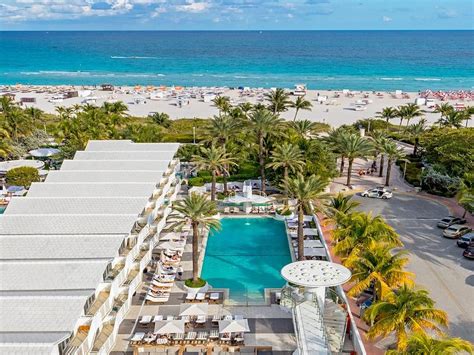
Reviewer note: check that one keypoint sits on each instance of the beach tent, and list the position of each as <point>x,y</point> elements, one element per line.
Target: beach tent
<point>234,326</point>
<point>169,327</point>
<point>193,309</point>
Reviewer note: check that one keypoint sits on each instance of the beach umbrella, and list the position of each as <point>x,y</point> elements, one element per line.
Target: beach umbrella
<point>234,326</point>
<point>12,189</point>
<point>193,309</point>
<point>169,327</point>
<point>44,152</point>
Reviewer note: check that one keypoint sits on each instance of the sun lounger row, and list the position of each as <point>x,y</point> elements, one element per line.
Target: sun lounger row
<point>192,337</point>
<point>213,297</point>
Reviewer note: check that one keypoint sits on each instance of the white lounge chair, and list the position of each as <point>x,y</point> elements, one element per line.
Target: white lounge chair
<point>145,320</point>
<point>226,210</point>
<point>238,317</point>
<point>157,299</point>
<point>200,296</point>
<point>214,296</point>
<point>161,284</point>
<point>190,296</point>
<point>158,318</point>
<point>169,317</point>
<point>137,337</point>
<point>201,319</point>
<point>236,210</point>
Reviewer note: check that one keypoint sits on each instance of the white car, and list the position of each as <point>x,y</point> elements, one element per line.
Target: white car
<point>378,192</point>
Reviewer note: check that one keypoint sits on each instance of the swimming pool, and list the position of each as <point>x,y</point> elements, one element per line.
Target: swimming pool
<point>246,257</point>
<point>2,209</point>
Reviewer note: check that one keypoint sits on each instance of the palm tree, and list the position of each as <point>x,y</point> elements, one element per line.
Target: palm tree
<point>17,121</point>
<point>222,103</point>
<point>279,100</point>
<point>301,104</point>
<point>34,113</point>
<point>6,104</point>
<point>334,140</point>
<point>444,109</point>
<point>200,212</point>
<point>359,230</point>
<point>65,113</point>
<point>214,159</point>
<point>465,195</point>
<point>415,131</point>
<point>263,124</point>
<point>246,107</point>
<point>162,119</point>
<point>339,206</point>
<point>303,128</point>
<point>377,265</point>
<point>406,311</point>
<point>354,146</point>
<point>394,153</point>
<point>304,190</point>
<point>118,108</point>
<point>290,158</point>
<point>423,344</point>
<point>452,119</point>
<point>388,113</point>
<point>408,111</point>
<point>379,141</point>
<point>468,112</point>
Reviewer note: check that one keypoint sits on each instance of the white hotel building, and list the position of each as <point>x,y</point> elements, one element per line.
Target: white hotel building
<point>73,251</point>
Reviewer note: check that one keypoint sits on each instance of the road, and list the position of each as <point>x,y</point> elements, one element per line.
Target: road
<point>437,262</point>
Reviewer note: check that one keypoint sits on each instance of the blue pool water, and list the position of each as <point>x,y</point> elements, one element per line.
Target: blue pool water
<point>2,209</point>
<point>246,256</point>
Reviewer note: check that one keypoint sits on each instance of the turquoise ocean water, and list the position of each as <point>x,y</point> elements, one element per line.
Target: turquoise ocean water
<point>371,60</point>
<point>246,256</point>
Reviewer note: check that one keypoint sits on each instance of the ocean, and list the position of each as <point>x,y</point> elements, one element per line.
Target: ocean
<point>357,60</point>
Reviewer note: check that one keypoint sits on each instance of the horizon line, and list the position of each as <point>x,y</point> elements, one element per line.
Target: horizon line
<point>231,30</point>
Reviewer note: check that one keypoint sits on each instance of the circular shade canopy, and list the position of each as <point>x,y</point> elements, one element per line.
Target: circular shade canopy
<point>44,152</point>
<point>12,164</point>
<point>315,273</point>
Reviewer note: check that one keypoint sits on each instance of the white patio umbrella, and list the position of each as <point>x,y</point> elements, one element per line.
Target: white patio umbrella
<point>193,309</point>
<point>313,244</point>
<point>43,152</point>
<point>234,326</point>
<point>169,326</point>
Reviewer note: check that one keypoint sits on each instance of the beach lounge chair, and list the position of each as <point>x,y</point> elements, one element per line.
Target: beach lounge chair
<point>169,317</point>
<point>160,290</point>
<point>226,210</point>
<point>214,334</point>
<point>137,337</point>
<point>200,296</point>
<point>157,318</point>
<point>236,210</point>
<point>278,297</point>
<point>238,317</point>
<point>215,321</point>
<point>145,320</point>
<point>201,320</point>
<point>157,299</point>
<point>214,297</point>
<point>159,284</point>
<point>190,296</point>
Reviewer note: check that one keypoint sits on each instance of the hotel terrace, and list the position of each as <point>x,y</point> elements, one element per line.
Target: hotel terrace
<point>85,269</point>
<point>73,251</point>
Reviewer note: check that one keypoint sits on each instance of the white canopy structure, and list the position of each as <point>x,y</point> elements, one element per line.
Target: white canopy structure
<point>193,309</point>
<point>234,326</point>
<point>313,244</point>
<point>310,231</point>
<point>169,327</point>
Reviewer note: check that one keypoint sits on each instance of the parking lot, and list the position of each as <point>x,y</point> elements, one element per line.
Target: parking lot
<point>437,262</point>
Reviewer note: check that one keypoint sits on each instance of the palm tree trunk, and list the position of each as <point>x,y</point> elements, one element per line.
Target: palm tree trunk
<point>300,232</point>
<point>224,180</point>
<point>389,168</point>
<point>285,176</point>
<point>213,186</point>
<point>415,147</point>
<point>296,114</point>
<point>464,214</point>
<point>195,251</point>
<point>382,158</point>
<point>349,172</point>
<point>401,121</point>
<point>341,170</point>
<point>262,163</point>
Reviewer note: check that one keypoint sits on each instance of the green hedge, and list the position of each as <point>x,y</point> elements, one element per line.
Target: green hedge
<point>22,176</point>
<point>201,180</point>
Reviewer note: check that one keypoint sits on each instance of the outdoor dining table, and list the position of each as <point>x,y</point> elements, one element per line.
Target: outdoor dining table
<point>214,334</point>
<point>162,341</point>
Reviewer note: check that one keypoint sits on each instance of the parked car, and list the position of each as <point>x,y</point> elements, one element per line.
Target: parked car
<point>378,192</point>
<point>456,231</point>
<point>449,221</point>
<point>466,240</point>
<point>469,253</point>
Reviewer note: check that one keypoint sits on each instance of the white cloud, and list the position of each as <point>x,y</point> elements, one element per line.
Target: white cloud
<point>193,7</point>
<point>158,11</point>
<point>386,19</point>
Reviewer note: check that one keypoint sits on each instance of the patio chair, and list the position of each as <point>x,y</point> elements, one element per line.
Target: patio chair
<point>214,297</point>
<point>200,296</point>
<point>145,320</point>
<point>226,210</point>
<point>201,320</point>
<point>137,337</point>
<point>158,318</point>
<point>202,337</point>
<point>215,321</point>
<point>236,210</point>
<point>277,297</point>
<point>157,299</point>
<point>169,317</point>
<point>190,296</point>
<point>214,334</point>
<point>191,336</point>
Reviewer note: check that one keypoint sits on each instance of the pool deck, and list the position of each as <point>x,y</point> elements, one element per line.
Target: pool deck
<point>270,326</point>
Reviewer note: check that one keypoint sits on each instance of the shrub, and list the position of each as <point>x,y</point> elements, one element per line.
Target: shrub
<point>199,283</point>
<point>413,170</point>
<point>437,183</point>
<point>22,176</point>
<point>196,181</point>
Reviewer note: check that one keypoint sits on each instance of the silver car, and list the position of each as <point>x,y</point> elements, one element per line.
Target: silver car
<point>456,231</point>
<point>378,192</point>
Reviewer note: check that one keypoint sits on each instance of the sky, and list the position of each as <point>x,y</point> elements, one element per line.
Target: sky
<point>235,14</point>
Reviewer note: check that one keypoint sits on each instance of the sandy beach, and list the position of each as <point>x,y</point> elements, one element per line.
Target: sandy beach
<point>333,107</point>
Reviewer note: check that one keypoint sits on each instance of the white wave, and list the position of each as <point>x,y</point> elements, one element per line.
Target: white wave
<point>427,79</point>
<point>131,57</point>
<point>391,79</point>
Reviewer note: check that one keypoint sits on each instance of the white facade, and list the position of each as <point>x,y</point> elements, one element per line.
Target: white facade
<point>79,235</point>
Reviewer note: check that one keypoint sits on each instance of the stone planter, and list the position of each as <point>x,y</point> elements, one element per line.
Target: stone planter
<point>204,288</point>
